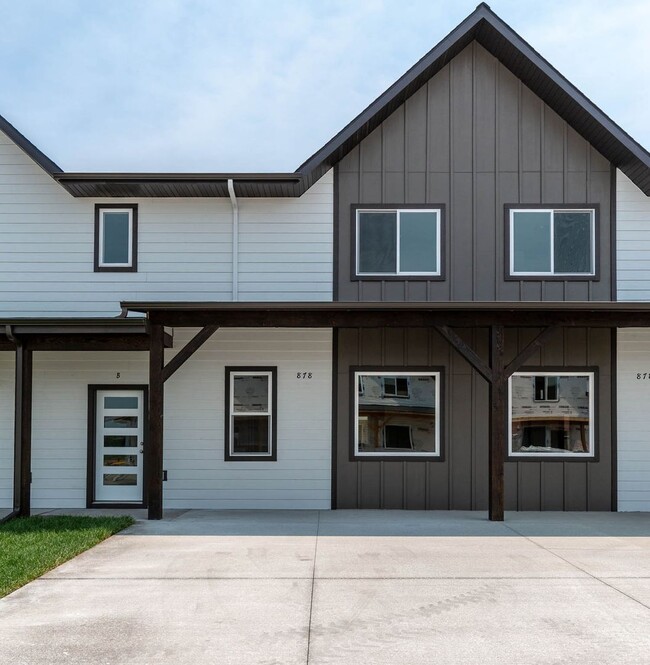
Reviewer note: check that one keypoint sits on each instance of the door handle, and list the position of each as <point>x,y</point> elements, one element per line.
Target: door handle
<point>141,444</point>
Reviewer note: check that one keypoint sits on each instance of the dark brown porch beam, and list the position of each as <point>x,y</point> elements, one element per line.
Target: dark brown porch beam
<point>23,431</point>
<point>466,351</point>
<point>498,424</point>
<point>154,445</point>
<point>531,348</point>
<point>188,350</point>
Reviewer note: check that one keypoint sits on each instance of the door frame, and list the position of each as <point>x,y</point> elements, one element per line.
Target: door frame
<point>92,444</point>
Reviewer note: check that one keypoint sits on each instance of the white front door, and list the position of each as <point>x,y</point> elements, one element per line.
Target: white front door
<point>119,445</point>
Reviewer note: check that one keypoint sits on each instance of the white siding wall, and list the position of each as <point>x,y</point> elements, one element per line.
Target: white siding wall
<point>633,419</point>
<point>7,364</point>
<point>632,240</point>
<point>633,283</point>
<point>184,248</point>
<point>194,422</point>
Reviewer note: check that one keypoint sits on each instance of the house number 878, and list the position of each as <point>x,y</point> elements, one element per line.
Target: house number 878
<point>303,375</point>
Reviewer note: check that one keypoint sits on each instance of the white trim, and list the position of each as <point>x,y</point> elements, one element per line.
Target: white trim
<point>437,415</point>
<point>592,418</point>
<point>398,272</point>
<point>232,415</point>
<point>552,273</point>
<point>100,258</point>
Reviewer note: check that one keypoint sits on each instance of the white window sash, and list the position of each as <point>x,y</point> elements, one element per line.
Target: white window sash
<point>399,272</point>
<point>101,262</point>
<point>552,273</point>
<point>267,414</point>
<point>592,418</point>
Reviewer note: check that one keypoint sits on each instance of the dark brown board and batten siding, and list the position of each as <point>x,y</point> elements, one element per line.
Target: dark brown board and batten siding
<point>474,138</point>
<point>460,480</point>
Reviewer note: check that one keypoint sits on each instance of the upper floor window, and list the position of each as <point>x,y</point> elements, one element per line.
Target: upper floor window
<point>396,242</point>
<point>552,242</point>
<point>116,238</point>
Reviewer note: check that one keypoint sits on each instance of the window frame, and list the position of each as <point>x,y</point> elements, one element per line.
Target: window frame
<point>511,275</point>
<point>437,276</point>
<point>356,455</point>
<point>230,373</point>
<point>593,455</point>
<point>132,210</point>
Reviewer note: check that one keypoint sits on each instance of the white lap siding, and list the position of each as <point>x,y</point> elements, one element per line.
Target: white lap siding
<point>632,240</point>
<point>7,364</point>
<point>184,247</point>
<point>198,476</point>
<point>633,416</point>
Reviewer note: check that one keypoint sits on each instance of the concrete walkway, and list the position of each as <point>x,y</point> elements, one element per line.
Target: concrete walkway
<point>345,587</point>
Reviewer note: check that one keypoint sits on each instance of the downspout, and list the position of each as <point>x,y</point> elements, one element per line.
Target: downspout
<point>235,239</point>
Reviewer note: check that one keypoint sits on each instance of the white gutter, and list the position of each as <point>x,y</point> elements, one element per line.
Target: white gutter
<point>235,239</point>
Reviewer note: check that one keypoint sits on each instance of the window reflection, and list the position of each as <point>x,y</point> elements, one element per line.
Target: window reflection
<point>396,413</point>
<point>551,415</point>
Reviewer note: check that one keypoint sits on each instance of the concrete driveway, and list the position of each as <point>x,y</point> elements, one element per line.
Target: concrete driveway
<point>344,587</point>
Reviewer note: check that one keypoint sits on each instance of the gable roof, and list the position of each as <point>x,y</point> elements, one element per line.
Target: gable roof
<point>483,25</point>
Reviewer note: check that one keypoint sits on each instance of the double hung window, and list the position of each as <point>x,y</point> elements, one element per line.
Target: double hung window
<point>250,408</point>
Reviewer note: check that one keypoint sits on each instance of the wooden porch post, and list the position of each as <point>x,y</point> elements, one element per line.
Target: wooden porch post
<point>154,445</point>
<point>498,423</point>
<point>23,431</point>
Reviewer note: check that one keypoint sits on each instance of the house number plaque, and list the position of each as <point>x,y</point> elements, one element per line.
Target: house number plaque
<point>303,375</point>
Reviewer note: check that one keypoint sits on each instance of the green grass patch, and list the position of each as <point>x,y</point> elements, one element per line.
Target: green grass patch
<point>30,546</point>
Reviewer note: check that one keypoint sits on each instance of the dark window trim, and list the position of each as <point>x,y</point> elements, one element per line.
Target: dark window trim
<point>93,389</point>
<point>273,457</point>
<point>354,457</point>
<point>596,416</point>
<point>509,277</point>
<point>134,236</point>
<point>355,277</point>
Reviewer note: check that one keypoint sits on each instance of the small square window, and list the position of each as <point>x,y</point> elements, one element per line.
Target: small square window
<point>552,242</point>
<point>552,414</point>
<point>115,238</point>
<point>396,242</point>
<point>250,408</point>
<point>397,414</point>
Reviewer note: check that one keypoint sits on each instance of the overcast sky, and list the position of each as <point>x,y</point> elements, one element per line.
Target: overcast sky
<point>223,85</point>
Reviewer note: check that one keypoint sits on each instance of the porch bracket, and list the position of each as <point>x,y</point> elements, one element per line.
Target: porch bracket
<point>188,350</point>
<point>466,351</point>
<point>532,346</point>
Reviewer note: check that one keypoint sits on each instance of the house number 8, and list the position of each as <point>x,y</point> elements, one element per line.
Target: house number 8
<point>303,375</point>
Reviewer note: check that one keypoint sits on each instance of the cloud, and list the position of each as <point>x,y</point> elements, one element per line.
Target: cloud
<point>183,85</point>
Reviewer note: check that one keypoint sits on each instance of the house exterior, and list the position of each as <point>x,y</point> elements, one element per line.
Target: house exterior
<point>446,307</point>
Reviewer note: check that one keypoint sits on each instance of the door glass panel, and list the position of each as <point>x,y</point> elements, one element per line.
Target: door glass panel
<point>120,460</point>
<point>120,479</point>
<point>120,402</point>
<point>120,421</point>
<point>116,237</point>
<point>377,242</point>
<point>418,238</point>
<point>572,242</point>
<point>250,434</point>
<point>532,241</point>
<point>250,394</point>
<point>111,441</point>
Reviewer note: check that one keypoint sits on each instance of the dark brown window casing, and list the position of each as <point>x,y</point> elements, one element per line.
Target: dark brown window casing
<point>440,417</point>
<point>357,277</point>
<point>228,457</point>
<point>134,236</point>
<point>509,277</point>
